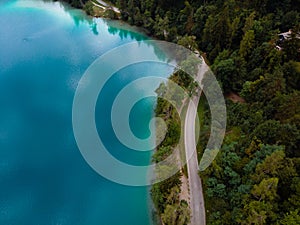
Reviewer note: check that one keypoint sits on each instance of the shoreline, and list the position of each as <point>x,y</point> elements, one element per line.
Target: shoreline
<point>242,73</point>
<point>155,217</point>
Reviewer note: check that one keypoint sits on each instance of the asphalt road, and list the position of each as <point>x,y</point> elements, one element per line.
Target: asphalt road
<point>109,6</point>
<point>196,194</point>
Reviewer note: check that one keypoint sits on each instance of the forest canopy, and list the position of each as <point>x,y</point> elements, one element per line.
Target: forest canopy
<point>255,178</point>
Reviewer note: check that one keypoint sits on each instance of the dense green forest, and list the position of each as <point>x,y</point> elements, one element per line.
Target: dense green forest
<point>255,178</point>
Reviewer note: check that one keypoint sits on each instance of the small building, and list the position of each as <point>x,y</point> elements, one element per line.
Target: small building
<point>283,37</point>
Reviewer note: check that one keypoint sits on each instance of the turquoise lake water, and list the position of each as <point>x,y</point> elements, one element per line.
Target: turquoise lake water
<point>45,48</point>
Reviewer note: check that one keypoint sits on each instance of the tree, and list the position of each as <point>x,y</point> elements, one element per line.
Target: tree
<point>200,17</point>
<point>291,218</point>
<point>161,26</point>
<point>291,71</point>
<point>88,8</point>
<point>265,88</point>
<point>169,217</point>
<point>176,214</point>
<point>256,212</point>
<point>226,72</point>
<point>186,18</point>
<point>188,42</point>
<point>270,166</point>
<point>247,44</point>
<point>266,190</point>
<point>216,33</point>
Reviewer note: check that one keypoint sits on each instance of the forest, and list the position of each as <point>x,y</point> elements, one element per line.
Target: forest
<point>255,177</point>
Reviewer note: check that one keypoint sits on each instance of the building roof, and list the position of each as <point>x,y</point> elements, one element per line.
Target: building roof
<point>287,35</point>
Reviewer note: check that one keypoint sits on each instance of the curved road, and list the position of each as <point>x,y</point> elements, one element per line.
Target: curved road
<point>195,185</point>
<point>196,194</point>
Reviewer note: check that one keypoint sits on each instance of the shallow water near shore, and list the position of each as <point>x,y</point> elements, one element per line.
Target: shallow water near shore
<point>45,48</point>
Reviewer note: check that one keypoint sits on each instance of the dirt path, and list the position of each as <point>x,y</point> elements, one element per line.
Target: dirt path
<point>184,194</point>
<point>235,98</point>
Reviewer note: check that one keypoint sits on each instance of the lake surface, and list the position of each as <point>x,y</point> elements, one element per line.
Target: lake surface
<point>45,48</point>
